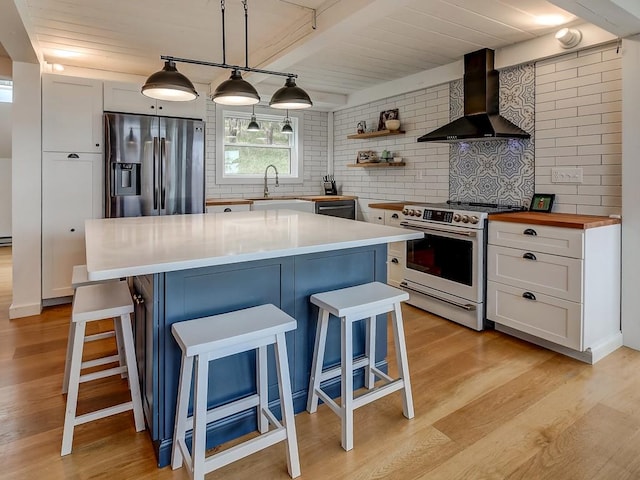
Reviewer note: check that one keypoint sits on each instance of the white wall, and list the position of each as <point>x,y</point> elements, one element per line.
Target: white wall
<point>631,191</point>
<point>27,197</point>
<point>5,169</point>
<point>5,130</point>
<point>579,124</point>
<point>314,141</point>
<point>5,198</point>
<point>426,176</point>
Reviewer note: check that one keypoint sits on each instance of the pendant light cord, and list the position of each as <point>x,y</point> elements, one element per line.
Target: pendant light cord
<point>224,49</point>
<point>246,33</point>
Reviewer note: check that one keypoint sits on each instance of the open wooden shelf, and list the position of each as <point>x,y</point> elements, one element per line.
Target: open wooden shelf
<point>377,164</point>
<point>379,133</point>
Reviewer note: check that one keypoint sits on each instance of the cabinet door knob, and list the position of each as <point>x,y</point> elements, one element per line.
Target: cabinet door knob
<point>152,107</point>
<point>530,231</point>
<point>72,230</point>
<point>97,144</point>
<point>528,296</point>
<point>529,256</point>
<point>160,108</point>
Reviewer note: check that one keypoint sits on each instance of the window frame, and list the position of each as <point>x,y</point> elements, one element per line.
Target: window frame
<point>297,171</point>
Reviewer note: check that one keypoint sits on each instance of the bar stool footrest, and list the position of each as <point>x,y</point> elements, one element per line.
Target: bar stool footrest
<point>102,374</point>
<point>100,361</point>
<point>99,336</point>
<point>102,413</point>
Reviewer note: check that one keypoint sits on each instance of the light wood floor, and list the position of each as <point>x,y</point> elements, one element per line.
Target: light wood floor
<point>487,407</point>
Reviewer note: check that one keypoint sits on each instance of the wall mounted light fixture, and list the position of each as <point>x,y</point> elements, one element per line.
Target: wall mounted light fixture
<point>169,84</point>
<point>569,37</point>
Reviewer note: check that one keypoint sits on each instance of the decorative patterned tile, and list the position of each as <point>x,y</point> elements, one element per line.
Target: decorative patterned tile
<point>497,171</point>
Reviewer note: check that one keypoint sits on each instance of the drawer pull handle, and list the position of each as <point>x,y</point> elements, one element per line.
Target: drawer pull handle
<point>73,155</point>
<point>530,231</point>
<point>395,215</point>
<point>528,296</point>
<point>394,260</point>
<point>227,209</point>
<point>529,256</point>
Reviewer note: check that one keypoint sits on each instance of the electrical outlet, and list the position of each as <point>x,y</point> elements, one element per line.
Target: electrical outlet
<point>566,175</point>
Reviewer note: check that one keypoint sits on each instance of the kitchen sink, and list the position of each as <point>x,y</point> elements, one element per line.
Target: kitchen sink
<point>289,203</point>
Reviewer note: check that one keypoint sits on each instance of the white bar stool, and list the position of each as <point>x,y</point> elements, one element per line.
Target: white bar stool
<point>209,338</point>
<point>350,305</point>
<point>80,278</point>
<point>96,302</point>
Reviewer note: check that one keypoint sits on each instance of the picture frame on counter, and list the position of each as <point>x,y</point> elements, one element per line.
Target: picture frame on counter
<point>542,202</point>
<point>367,156</point>
<point>393,114</point>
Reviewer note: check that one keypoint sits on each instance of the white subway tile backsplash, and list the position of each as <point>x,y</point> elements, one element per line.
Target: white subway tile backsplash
<point>582,140</point>
<point>579,81</point>
<point>590,139</point>
<point>557,113</point>
<point>577,121</point>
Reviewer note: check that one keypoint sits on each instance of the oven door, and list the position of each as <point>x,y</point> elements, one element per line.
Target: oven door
<point>448,259</point>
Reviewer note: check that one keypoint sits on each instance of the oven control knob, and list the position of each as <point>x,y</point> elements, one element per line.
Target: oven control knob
<point>474,219</point>
<point>405,211</point>
<point>417,213</point>
<point>465,219</point>
<point>410,212</point>
<point>456,217</point>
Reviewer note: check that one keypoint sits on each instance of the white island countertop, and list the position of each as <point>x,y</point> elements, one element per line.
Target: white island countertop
<point>123,247</point>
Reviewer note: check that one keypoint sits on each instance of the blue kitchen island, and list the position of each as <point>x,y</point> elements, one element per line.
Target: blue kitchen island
<point>190,266</point>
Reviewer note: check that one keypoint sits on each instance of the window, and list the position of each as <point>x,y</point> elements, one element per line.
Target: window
<point>6,91</point>
<point>243,155</point>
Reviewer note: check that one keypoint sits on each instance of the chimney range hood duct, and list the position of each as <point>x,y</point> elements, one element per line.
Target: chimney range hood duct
<point>481,120</point>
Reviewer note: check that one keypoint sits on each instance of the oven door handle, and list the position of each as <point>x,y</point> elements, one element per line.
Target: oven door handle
<point>465,306</point>
<point>413,226</point>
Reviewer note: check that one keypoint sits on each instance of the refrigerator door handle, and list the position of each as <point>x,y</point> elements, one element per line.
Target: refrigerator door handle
<point>163,170</point>
<point>155,173</point>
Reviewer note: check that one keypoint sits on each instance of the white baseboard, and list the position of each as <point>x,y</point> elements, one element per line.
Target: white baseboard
<point>590,355</point>
<point>19,311</point>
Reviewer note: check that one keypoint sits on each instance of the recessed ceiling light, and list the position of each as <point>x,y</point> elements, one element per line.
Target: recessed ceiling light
<point>551,20</point>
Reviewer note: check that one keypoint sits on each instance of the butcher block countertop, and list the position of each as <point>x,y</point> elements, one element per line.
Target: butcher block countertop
<point>248,201</point>
<point>566,220</point>
<point>388,206</point>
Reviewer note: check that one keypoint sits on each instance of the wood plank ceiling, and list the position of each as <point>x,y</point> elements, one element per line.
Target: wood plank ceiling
<point>358,43</point>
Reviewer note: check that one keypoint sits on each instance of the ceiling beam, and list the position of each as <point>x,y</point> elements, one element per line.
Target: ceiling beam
<point>13,33</point>
<point>620,17</point>
<point>333,18</point>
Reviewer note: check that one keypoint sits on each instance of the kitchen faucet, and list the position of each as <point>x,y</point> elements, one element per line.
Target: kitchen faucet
<point>266,188</point>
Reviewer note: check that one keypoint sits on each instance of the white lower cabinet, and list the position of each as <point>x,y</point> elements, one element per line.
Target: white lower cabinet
<point>71,193</point>
<point>396,251</point>
<point>228,208</point>
<point>559,285</point>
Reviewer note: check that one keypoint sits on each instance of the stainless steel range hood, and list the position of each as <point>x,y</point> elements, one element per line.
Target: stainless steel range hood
<point>481,120</point>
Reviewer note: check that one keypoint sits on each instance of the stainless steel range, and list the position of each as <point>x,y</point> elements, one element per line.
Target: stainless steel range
<point>445,271</point>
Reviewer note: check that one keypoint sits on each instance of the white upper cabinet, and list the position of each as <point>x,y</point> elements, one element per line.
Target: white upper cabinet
<point>126,98</point>
<point>71,114</point>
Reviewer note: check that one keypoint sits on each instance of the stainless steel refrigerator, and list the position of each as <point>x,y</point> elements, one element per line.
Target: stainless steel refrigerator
<point>154,165</point>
